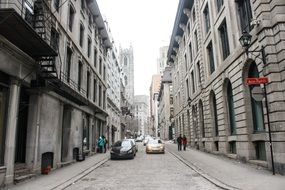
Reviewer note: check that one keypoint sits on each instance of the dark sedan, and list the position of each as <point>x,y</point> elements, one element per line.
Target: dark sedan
<point>123,149</point>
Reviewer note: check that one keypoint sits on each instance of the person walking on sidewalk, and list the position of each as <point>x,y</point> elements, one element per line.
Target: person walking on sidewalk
<point>105,143</point>
<point>179,142</point>
<point>184,142</point>
<point>100,144</point>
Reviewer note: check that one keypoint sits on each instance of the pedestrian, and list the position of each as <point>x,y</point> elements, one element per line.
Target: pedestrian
<point>100,144</point>
<point>184,142</point>
<point>179,142</point>
<point>105,143</point>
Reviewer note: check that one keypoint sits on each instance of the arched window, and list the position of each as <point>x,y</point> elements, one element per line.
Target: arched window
<point>256,106</point>
<point>125,60</point>
<point>214,113</point>
<point>126,80</point>
<point>194,121</point>
<point>231,109</point>
<point>201,119</point>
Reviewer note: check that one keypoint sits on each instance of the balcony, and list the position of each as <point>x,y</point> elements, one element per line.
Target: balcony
<point>27,26</point>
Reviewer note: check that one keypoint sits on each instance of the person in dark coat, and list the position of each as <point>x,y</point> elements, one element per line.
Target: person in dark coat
<point>179,142</point>
<point>105,143</point>
<point>184,142</point>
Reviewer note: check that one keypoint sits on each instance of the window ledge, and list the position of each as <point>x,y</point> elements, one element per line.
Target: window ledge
<point>2,169</point>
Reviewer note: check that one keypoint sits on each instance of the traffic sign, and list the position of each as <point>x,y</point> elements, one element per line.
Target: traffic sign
<point>260,80</point>
<point>257,93</point>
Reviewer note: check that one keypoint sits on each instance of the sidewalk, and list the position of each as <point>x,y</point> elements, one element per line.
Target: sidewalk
<point>63,177</point>
<point>228,173</point>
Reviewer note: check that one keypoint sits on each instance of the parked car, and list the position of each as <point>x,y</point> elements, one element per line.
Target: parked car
<point>123,149</point>
<point>155,146</point>
<point>133,140</point>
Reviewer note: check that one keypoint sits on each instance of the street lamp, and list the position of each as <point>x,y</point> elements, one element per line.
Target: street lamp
<point>245,41</point>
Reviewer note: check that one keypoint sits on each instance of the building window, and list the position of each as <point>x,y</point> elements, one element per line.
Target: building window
<point>94,90</point>
<point>224,39</point>
<point>196,41</point>
<point>82,4</point>
<point>95,58</point>
<point>68,63</point>
<point>211,57</point>
<point>89,47</point>
<point>187,86</point>
<point>104,73</point>
<point>256,106</point>
<point>81,35</point>
<point>207,19</point>
<point>245,14</point>
<point>100,95</point>
<point>199,72</point>
<point>104,99</point>
<point>219,4</point>
<point>71,17</point>
<point>260,150</point>
<point>233,147</point>
<point>185,60</point>
<point>194,15</point>
<point>100,66</point>
<point>54,39</point>
<point>190,53</point>
<point>125,61</point>
<point>79,75</point>
<point>214,113</point>
<point>201,117</point>
<point>3,108</point>
<point>89,20</point>
<point>88,84</point>
<point>56,4</point>
<point>193,82</point>
<point>231,109</point>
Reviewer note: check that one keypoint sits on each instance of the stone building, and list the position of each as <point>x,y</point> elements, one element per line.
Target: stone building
<point>141,110</point>
<point>127,62</point>
<point>165,105</point>
<point>53,84</point>
<point>113,92</point>
<point>213,103</point>
<point>162,59</point>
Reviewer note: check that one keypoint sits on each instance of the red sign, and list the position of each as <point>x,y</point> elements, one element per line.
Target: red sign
<point>261,80</point>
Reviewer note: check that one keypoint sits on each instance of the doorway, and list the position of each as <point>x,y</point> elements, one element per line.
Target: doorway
<point>66,126</point>
<point>21,135</point>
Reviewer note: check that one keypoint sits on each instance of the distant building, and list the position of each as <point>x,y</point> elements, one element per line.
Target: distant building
<point>141,110</point>
<point>162,60</point>
<point>154,90</point>
<point>165,106</point>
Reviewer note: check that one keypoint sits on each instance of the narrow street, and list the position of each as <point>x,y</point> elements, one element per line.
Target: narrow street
<point>146,171</point>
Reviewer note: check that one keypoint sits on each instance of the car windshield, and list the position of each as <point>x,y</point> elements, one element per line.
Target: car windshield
<point>122,143</point>
<point>126,143</point>
<point>154,142</point>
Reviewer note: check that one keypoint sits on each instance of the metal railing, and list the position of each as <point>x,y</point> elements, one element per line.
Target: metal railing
<point>38,15</point>
<point>72,84</point>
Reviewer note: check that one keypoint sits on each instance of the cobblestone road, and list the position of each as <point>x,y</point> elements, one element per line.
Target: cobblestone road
<point>146,171</point>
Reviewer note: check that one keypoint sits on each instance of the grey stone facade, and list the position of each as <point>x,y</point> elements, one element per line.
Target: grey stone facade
<point>141,109</point>
<point>53,84</point>
<point>222,117</point>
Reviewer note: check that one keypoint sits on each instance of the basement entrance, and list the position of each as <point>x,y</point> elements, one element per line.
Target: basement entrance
<point>21,135</point>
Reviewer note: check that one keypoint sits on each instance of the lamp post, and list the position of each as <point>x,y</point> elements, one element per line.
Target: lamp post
<point>245,41</point>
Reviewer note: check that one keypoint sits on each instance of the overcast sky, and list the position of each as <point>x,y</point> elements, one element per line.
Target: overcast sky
<point>147,25</point>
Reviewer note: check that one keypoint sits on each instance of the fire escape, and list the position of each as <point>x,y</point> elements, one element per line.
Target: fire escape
<point>28,24</point>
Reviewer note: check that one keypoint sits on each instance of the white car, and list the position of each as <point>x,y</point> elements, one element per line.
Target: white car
<point>133,140</point>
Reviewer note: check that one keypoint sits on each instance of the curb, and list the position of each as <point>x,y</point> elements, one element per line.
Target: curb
<point>206,176</point>
<point>79,176</point>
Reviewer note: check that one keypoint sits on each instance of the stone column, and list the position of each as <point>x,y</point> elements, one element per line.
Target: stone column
<point>12,118</point>
<point>33,130</point>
